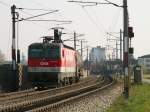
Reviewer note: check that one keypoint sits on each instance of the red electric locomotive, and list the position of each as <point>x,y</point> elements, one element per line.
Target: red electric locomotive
<point>53,63</point>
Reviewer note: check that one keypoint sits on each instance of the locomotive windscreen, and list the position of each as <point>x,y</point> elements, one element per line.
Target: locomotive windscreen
<point>52,53</point>
<point>46,52</point>
<point>35,53</point>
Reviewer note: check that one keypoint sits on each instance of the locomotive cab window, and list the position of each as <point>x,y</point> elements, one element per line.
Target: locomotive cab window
<point>35,53</point>
<point>52,53</point>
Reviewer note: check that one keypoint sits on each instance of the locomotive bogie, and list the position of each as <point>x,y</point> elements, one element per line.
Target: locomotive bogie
<point>51,79</point>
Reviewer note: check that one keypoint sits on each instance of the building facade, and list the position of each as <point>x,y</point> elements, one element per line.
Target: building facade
<point>97,54</point>
<point>144,61</point>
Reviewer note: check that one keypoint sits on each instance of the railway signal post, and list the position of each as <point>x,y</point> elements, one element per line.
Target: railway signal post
<point>125,41</point>
<point>126,50</point>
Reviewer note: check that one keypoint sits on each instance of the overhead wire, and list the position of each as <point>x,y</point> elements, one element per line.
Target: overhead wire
<point>39,4</point>
<point>99,21</point>
<point>113,3</point>
<point>93,21</point>
<point>7,5</point>
<point>38,9</point>
<point>100,29</point>
<point>34,22</point>
<point>58,13</point>
<point>115,21</point>
<point>34,16</point>
<point>45,20</point>
<point>43,6</point>
<point>21,9</point>
<point>98,18</point>
<point>114,24</point>
<point>4,3</point>
<point>67,26</point>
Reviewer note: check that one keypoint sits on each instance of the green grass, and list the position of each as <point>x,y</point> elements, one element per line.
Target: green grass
<point>139,100</point>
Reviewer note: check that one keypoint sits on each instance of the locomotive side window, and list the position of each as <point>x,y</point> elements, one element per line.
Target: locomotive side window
<point>35,53</point>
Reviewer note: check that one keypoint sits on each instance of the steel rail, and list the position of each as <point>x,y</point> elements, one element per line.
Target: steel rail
<point>23,94</point>
<point>50,107</point>
<point>2,95</point>
<point>27,105</point>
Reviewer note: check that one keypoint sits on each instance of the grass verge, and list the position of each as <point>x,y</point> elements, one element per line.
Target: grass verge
<point>139,100</point>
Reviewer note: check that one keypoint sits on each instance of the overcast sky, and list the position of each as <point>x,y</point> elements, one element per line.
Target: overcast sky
<point>93,21</point>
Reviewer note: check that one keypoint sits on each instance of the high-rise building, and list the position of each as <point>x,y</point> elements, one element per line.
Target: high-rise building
<point>97,54</point>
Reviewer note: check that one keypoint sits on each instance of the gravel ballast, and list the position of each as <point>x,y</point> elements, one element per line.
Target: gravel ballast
<point>97,102</point>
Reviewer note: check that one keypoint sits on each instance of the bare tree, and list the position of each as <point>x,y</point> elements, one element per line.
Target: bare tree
<point>2,57</point>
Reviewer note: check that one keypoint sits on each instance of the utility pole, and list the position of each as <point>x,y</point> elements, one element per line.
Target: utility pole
<point>81,49</point>
<point>126,50</point>
<point>14,63</point>
<point>76,71</point>
<point>75,40</point>
<point>15,59</point>
<point>120,45</point>
<point>87,60</point>
<point>113,54</point>
<point>18,50</point>
<point>14,66</point>
<point>121,48</point>
<point>116,50</point>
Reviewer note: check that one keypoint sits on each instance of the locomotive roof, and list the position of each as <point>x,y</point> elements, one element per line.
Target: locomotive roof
<point>49,44</point>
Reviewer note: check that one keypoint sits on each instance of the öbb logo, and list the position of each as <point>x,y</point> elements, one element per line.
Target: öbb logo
<point>43,63</point>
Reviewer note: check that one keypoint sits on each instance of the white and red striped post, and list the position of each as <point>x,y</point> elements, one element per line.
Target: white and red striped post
<point>14,66</point>
<point>14,63</point>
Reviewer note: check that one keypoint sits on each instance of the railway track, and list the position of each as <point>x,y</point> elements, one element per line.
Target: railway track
<point>31,94</point>
<point>17,98</point>
<point>48,99</point>
<point>4,95</point>
<point>76,95</point>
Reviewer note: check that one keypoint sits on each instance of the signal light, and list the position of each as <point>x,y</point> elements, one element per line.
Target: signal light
<point>131,50</point>
<point>130,32</point>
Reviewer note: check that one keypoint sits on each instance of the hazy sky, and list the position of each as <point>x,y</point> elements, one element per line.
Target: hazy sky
<point>93,21</point>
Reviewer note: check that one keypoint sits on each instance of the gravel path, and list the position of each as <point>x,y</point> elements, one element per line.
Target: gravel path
<point>146,80</point>
<point>97,102</point>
